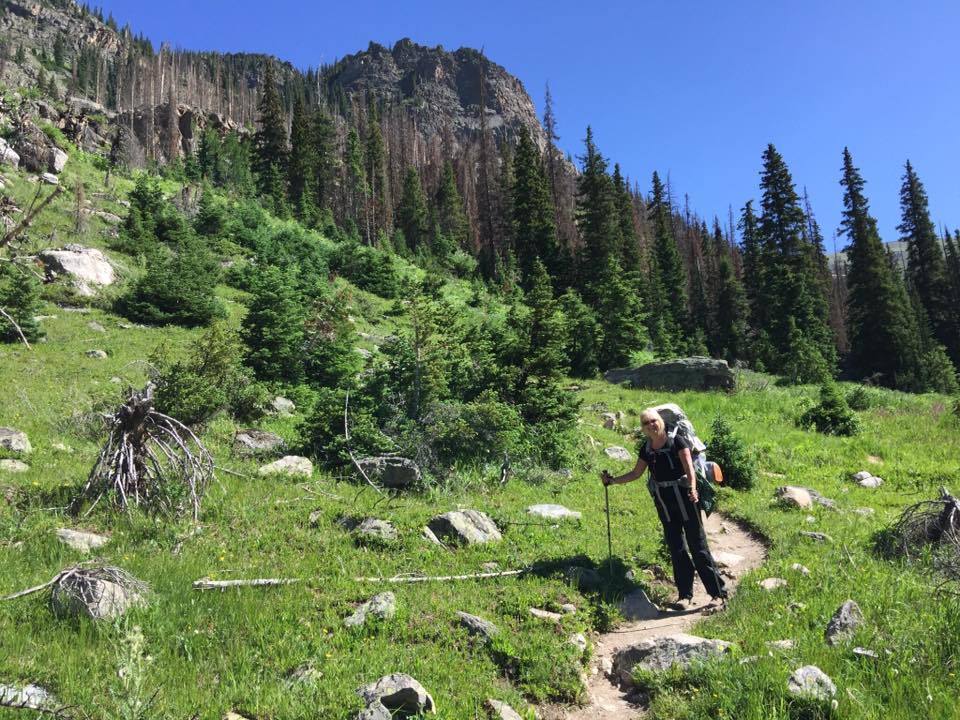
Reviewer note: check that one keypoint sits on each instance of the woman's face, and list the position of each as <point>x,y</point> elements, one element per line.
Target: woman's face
<point>651,424</point>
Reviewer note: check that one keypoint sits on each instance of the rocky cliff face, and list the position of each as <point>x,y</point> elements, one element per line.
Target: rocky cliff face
<point>442,90</point>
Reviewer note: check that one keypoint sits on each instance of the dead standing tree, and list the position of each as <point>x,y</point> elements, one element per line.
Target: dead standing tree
<point>149,459</point>
<point>933,524</point>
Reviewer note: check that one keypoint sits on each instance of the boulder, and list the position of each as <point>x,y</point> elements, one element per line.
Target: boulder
<point>96,354</point>
<point>637,606</point>
<point>13,466</point>
<point>88,268</point>
<point>380,607</point>
<point>617,453</point>
<point>609,420</point>
<point>477,625</point>
<point>467,527</point>
<point>391,472</point>
<point>56,160</point>
<point>583,578</point>
<point>257,442</point>
<point>282,406</point>
<point>693,373</point>
<point>770,584</point>
<point>579,641</point>
<point>98,595</point>
<point>499,710</point>
<point>568,609</point>
<point>810,681</point>
<point>375,711</point>
<point>792,496</point>
<point>862,475</point>
<point>8,156</point>
<point>373,531</point>
<point>49,179</point>
<point>871,482</point>
<point>14,440</point>
<point>291,465</point>
<point>844,622</point>
<point>28,697</point>
<point>663,652</point>
<point>81,541</point>
<point>399,693</point>
<point>549,511</point>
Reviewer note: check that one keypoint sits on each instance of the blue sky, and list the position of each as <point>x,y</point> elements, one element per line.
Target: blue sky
<point>692,89</point>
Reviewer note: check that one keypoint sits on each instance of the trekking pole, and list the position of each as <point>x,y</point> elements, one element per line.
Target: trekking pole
<point>606,492</point>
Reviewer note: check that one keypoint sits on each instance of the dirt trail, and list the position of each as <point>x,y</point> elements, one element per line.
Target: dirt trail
<point>605,700</point>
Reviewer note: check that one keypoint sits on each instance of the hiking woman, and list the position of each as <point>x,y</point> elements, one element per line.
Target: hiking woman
<point>668,457</point>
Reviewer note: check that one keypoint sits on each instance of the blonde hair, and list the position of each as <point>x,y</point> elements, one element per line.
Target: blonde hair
<point>652,412</point>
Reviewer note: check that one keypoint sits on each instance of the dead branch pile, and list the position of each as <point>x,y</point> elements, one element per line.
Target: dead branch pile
<point>91,589</point>
<point>933,525</point>
<point>149,459</point>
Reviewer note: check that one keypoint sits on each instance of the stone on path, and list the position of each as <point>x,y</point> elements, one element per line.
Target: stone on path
<point>817,536</point>
<point>14,440</point>
<point>391,472</point>
<point>792,496</point>
<point>282,406</point>
<point>664,651</point>
<point>382,606</point>
<point>727,560</point>
<point>637,606</point>
<point>81,541</point>
<point>618,453</point>
<point>549,511</point>
<point>501,711</point>
<point>14,466</point>
<point>467,527</point>
<point>810,681</point>
<point>545,615</point>
<point>96,354</point>
<point>770,584</point>
<point>291,465</point>
<point>398,693</point>
<point>253,441</point>
<point>477,625</point>
<point>27,697</point>
<point>845,620</point>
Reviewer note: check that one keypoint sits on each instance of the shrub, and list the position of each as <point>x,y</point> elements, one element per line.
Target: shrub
<point>366,268</point>
<point>322,433</point>
<point>861,398</point>
<point>730,452</point>
<point>273,328</point>
<point>832,415</point>
<point>20,299</point>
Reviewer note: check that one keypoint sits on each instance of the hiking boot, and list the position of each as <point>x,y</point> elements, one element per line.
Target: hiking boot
<point>682,603</point>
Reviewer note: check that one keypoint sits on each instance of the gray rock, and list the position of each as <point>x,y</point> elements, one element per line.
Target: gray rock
<point>97,598</point>
<point>96,354</point>
<point>816,536</point>
<point>637,606</point>
<point>568,609</point>
<point>257,442</point>
<point>693,373</point>
<point>477,625</point>
<point>375,531</point>
<point>862,475</point>
<point>49,178</point>
<point>727,560</point>
<point>663,652</point>
<point>13,466</point>
<point>290,465</point>
<point>27,697</point>
<point>282,406</point>
<point>583,578</point>
<point>468,527</point>
<point>844,622</point>
<point>609,420</point>
<point>57,160</point>
<point>88,268</point>
<point>81,541</point>
<point>8,156</point>
<point>793,496</point>
<point>96,327</point>
<point>579,641</point>
<point>107,217</point>
<point>499,710</point>
<point>306,674</point>
<point>375,711</point>
<point>865,652</point>
<point>770,584</point>
<point>810,681</point>
<point>380,607</point>
<point>781,644</point>
<point>14,440</point>
<point>542,614</point>
<point>391,472</point>
<point>398,693</point>
<point>550,511</point>
<point>429,536</point>
<point>802,569</point>
<point>871,482</point>
<point>618,453</point>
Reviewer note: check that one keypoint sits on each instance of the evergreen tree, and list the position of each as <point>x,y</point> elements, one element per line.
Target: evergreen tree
<point>731,313</point>
<point>329,342</point>
<point>533,229</point>
<point>273,328</point>
<point>926,268</point>
<point>584,335</point>
<point>375,156</point>
<point>550,130</point>
<point>596,216</point>
<point>795,289</point>
<point>880,324</point>
<point>669,319</point>
<point>300,168</point>
<point>449,216</point>
<point>629,253</point>
<point>412,216</point>
<point>621,314</point>
<point>270,142</point>
<point>356,189</point>
<point>324,160</point>
<point>952,253</point>
<point>20,300</point>
<point>59,51</point>
<point>753,266</point>
<point>211,218</point>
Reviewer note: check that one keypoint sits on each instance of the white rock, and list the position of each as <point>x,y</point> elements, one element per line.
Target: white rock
<point>58,160</point>
<point>501,711</point>
<point>86,266</point>
<point>792,496</point>
<point>637,606</point>
<point>27,697</point>
<point>96,354</point>
<point>862,475</point>
<point>14,440</point>
<point>811,681</point>
<point>550,511</point>
<point>864,511</point>
<point>617,453</point>
<point>771,584</point>
<point>579,641</point>
<point>781,644</point>
<point>81,541</point>
<point>8,156</point>
<point>871,482</point>
<point>49,178</point>
<point>292,465</point>
<point>609,420</point>
<point>727,560</point>
<point>546,615</point>
<point>803,570</point>
<point>282,406</point>
<point>13,466</point>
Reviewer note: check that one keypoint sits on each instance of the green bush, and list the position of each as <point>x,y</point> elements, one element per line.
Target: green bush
<point>832,415</point>
<point>730,452</point>
<point>367,268</point>
<point>20,299</point>
<point>322,433</point>
<point>862,398</point>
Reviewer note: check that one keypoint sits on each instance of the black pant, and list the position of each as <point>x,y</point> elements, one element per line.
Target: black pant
<point>674,531</point>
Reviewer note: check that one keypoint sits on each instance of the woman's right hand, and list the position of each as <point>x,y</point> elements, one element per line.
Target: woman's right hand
<point>606,478</point>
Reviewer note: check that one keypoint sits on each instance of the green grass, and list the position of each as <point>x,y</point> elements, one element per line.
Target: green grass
<point>214,652</point>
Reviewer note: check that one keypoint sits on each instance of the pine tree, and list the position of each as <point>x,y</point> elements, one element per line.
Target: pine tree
<point>669,325</point>
<point>880,324</point>
<point>731,313</point>
<point>412,216</point>
<point>753,266</point>
<point>375,157</point>
<point>926,268</point>
<point>533,230</point>
<point>596,217</point>
<point>356,188</point>
<point>270,142</point>
<point>20,300</point>
<point>584,335</point>
<point>300,169</point>
<point>208,156</point>
<point>629,251</point>
<point>273,328</point>
<point>450,218</point>
<point>330,356</point>
<point>621,314</point>
<point>325,160</point>
<point>952,253</point>
<point>550,130</point>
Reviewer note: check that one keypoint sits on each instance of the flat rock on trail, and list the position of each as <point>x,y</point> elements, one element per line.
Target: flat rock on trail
<point>605,701</point>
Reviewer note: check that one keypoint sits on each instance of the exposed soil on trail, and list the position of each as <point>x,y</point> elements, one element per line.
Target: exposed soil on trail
<point>605,700</point>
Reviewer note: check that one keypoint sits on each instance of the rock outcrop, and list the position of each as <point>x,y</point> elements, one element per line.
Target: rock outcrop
<point>88,268</point>
<point>692,373</point>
